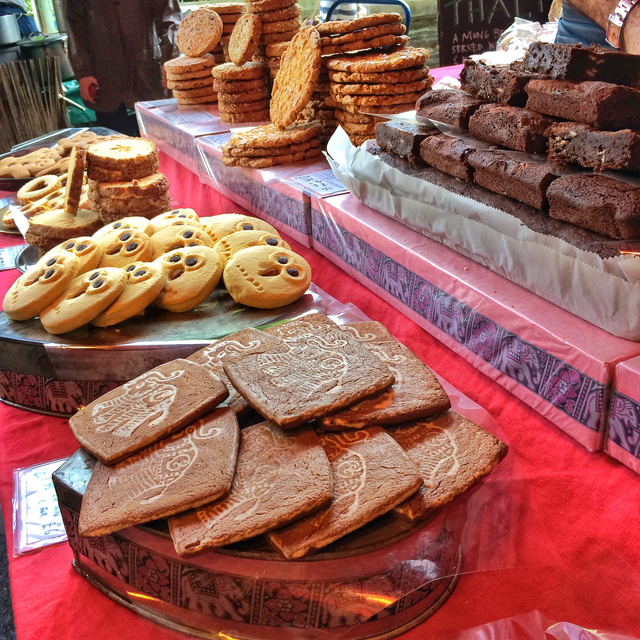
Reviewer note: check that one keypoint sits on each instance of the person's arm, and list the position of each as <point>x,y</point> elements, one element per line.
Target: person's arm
<point>168,17</point>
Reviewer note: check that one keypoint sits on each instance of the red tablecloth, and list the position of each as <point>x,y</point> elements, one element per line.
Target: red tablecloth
<point>588,503</point>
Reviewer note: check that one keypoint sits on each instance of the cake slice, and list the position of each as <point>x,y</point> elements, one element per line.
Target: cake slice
<point>403,138</point>
<point>449,155</point>
<point>501,85</point>
<point>451,106</point>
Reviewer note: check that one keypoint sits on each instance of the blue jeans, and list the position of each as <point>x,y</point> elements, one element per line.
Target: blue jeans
<point>576,28</point>
<point>26,23</point>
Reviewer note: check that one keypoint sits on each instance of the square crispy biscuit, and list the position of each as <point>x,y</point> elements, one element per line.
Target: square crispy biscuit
<point>184,471</point>
<point>147,409</point>
<point>306,377</point>
<point>280,477</point>
<point>452,454</point>
<point>371,475</point>
<point>415,394</point>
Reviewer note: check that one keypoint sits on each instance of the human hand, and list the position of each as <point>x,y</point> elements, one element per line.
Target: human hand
<point>88,88</point>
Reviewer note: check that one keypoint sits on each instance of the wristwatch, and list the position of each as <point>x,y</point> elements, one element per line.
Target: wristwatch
<point>617,20</point>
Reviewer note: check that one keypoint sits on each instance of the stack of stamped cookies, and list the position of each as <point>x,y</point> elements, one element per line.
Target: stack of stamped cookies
<point>188,76</point>
<point>243,95</point>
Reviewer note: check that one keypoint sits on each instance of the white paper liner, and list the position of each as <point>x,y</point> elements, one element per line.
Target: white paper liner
<point>579,281</point>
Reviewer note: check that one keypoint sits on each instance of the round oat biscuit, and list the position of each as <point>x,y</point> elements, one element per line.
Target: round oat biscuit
<point>227,28</point>
<point>366,101</point>
<point>276,50</point>
<point>230,18</point>
<point>225,8</point>
<point>201,100</point>
<point>360,45</point>
<point>237,86</point>
<point>356,118</point>
<point>225,224</point>
<point>198,83</point>
<point>87,296</point>
<point>359,129</point>
<point>357,140</point>
<point>228,246</point>
<point>270,161</point>
<point>86,249</point>
<point>347,26</point>
<point>396,29</point>
<point>261,152</point>
<point>199,32</point>
<point>298,74</point>
<point>190,276</point>
<point>203,74</point>
<point>281,26</point>
<point>185,65</point>
<point>144,283</point>
<point>179,217</point>
<point>387,108</point>
<point>38,188</point>
<point>152,186</point>
<point>408,75</point>
<point>123,247</point>
<point>75,178</point>
<point>405,58</point>
<point>195,93</point>
<point>269,136</point>
<point>384,89</point>
<point>247,96</point>
<point>131,223</point>
<point>277,15</point>
<point>244,39</point>
<point>273,63</point>
<point>267,277</point>
<point>231,71</point>
<point>36,289</point>
<point>269,5</point>
<point>248,116</point>
<point>244,107</point>
<point>178,237</point>
<point>273,38</point>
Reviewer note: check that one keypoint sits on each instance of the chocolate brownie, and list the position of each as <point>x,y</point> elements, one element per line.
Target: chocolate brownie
<point>403,138</point>
<point>578,63</point>
<point>528,216</point>
<point>600,104</point>
<point>147,409</point>
<point>452,454</point>
<point>572,142</point>
<point>185,471</point>
<point>511,127</point>
<point>451,106</point>
<point>501,85</point>
<point>522,181</point>
<point>448,154</point>
<point>280,477</point>
<point>604,205</point>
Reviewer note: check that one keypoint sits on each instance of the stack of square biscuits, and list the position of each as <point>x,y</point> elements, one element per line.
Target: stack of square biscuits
<point>243,95</point>
<point>350,425</point>
<point>190,79</point>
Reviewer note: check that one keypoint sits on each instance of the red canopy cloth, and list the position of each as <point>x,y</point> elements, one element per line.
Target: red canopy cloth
<point>589,504</point>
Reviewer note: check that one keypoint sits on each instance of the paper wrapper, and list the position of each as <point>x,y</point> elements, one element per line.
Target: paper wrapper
<point>579,281</point>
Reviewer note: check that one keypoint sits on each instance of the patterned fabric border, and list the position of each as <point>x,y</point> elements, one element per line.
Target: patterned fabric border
<point>289,211</point>
<point>624,423</point>
<point>303,604</point>
<point>565,387</point>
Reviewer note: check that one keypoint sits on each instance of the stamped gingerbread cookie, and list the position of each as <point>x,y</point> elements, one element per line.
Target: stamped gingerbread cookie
<point>178,237</point>
<point>228,246</point>
<point>124,247</point>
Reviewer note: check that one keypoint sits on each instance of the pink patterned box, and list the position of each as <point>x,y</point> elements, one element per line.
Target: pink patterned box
<point>560,365</point>
<point>175,128</point>
<point>623,436</point>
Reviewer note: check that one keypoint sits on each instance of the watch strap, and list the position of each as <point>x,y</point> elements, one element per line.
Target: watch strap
<point>617,20</point>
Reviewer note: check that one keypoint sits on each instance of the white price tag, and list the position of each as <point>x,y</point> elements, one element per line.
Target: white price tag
<point>321,183</point>
<point>218,141</point>
<point>8,256</point>
<point>180,117</point>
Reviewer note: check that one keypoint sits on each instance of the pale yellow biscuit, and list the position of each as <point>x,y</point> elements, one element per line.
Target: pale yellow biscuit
<point>227,223</point>
<point>136,223</point>
<point>178,237</point>
<point>38,188</point>
<point>88,295</point>
<point>266,277</point>
<point>177,216</point>
<point>124,247</point>
<point>86,249</point>
<point>36,289</point>
<point>144,283</point>
<point>190,276</point>
<point>228,246</point>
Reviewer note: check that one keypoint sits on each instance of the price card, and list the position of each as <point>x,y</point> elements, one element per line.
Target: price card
<point>37,521</point>
<point>320,183</point>
<point>179,117</point>
<point>219,140</point>
<point>8,256</point>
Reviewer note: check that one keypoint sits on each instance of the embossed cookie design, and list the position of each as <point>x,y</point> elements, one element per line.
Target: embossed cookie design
<point>178,237</point>
<point>279,478</point>
<point>452,454</point>
<point>86,249</point>
<point>309,376</point>
<point>175,217</point>
<point>146,409</point>
<point>131,223</point>
<point>228,246</point>
<point>371,475</point>
<point>184,471</point>
<point>124,247</point>
<point>227,223</point>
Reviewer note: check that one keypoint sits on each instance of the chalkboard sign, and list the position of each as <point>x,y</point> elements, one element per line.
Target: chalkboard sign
<point>467,27</point>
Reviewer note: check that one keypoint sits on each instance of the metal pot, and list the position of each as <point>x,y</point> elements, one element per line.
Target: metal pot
<point>9,29</point>
<point>48,46</point>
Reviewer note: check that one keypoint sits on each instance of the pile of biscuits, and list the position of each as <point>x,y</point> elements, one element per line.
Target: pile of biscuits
<point>230,13</point>
<point>243,95</point>
<point>172,262</point>
<point>186,75</point>
<point>349,425</point>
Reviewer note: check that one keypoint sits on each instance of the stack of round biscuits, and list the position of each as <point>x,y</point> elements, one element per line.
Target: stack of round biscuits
<point>230,13</point>
<point>243,95</point>
<point>190,79</point>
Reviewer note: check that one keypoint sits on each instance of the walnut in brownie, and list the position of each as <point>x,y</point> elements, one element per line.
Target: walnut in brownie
<point>522,181</point>
<point>600,104</point>
<point>598,203</point>
<point>447,154</point>
<point>511,127</point>
<point>502,85</point>
<point>578,63</point>
<point>575,143</point>
<point>451,106</point>
<point>403,138</point>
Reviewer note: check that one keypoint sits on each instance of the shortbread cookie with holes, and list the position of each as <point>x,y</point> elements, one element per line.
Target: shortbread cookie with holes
<point>294,479</point>
<point>178,237</point>
<point>225,224</point>
<point>45,282</point>
<point>86,297</point>
<point>207,452</point>
<point>150,407</point>
<point>124,247</point>
<point>266,277</point>
<point>175,217</point>
<point>228,246</point>
<point>88,250</point>
<point>144,283</point>
<point>131,223</point>
<point>190,276</point>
